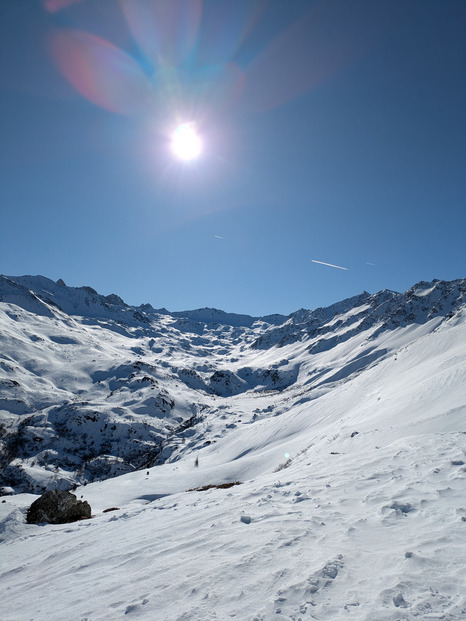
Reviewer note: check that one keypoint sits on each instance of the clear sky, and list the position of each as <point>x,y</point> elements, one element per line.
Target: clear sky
<point>333,132</point>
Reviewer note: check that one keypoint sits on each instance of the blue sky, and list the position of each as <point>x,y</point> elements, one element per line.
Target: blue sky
<point>333,131</point>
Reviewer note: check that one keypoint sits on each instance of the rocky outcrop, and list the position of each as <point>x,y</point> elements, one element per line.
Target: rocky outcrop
<point>58,507</point>
<point>100,388</point>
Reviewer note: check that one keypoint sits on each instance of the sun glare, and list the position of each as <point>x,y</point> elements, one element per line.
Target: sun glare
<point>186,143</point>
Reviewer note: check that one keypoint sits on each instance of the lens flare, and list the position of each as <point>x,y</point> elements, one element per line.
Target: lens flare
<point>186,144</point>
<point>102,72</point>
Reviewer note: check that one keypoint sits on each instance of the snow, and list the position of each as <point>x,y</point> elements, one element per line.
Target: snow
<point>351,499</point>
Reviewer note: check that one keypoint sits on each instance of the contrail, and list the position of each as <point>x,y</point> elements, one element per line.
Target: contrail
<point>218,237</point>
<point>330,265</point>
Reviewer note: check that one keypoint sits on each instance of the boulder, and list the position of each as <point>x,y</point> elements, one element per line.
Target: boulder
<point>58,507</point>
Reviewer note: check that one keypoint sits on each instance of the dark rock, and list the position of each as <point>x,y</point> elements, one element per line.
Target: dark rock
<point>58,507</point>
<point>400,601</point>
<point>404,508</point>
<point>89,290</point>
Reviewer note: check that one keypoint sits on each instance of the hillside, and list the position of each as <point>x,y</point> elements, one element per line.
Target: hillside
<point>344,425</point>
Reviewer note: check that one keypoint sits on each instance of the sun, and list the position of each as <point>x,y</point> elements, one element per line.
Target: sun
<point>186,143</point>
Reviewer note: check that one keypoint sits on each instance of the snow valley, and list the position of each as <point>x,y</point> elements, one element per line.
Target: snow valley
<point>302,467</point>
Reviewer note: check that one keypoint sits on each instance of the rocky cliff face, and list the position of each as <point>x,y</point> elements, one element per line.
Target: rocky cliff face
<point>91,387</point>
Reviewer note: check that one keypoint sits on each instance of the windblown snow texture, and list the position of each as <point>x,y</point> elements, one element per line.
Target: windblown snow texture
<point>342,427</point>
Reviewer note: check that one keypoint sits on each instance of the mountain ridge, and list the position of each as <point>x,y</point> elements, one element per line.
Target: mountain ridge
<point>310,469</point>
<point>91,387</point>
<point>83,299</point>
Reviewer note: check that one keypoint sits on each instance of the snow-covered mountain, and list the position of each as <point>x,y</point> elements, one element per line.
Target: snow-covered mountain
<point>346,427</point>
<point>92,388</point>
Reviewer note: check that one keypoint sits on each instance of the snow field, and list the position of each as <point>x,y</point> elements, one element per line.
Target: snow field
<point>352,500</point>
<point>380,536</point>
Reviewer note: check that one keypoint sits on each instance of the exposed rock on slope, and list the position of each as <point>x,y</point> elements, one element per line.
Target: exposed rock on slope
<point>58,507</point>
<point>91,388</point>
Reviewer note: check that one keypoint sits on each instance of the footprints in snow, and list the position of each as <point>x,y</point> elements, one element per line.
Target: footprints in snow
<point>305,594</point>
<point>136,609</point>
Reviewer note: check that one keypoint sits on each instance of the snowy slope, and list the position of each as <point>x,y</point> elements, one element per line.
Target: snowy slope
<point>92,388</point>
<point>345,426</point>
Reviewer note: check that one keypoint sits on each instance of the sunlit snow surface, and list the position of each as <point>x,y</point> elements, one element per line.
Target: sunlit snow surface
<point>366,518</point>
